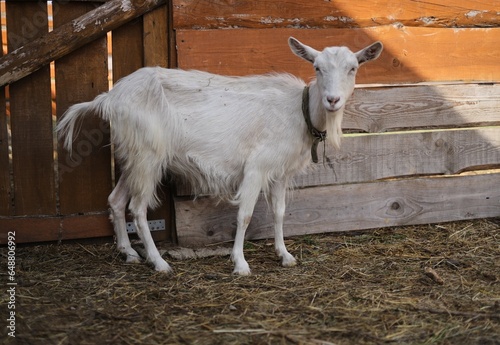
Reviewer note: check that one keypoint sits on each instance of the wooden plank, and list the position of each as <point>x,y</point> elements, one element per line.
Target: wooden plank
<point>5,188</point>
<point>43,229</point>
<point>411,54</point>
<point>127,54</point>
<point>376,110</point>
<point>80,76</point>
<point>30,229</point>
<point>207,14</point>
<point>156,37</point>
<point>127,49</point>
<point>348,207</point>
<point>373,157</point>
<point>156,53</point>
<point>172,45</point>
<point>31,56</point>
<point>31,124</point>
<point>78,227</point>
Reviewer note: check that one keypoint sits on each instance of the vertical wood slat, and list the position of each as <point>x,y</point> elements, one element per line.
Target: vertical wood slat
<point>127,56</point>
<point>31,119</point>
<point>5,191</point>
<point>156,53</point>
<point>156,37</point>
<point>127,46</point>
<point>84,177</point>
<point>172,45</point>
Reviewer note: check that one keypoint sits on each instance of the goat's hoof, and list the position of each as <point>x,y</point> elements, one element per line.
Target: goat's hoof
<point>133,259</point>
<point>288,260</point>
<point>242,270</point>
<point>163,266</point>
<point>130,255</point>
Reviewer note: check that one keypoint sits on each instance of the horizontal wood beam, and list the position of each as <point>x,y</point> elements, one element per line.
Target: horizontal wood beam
<point>375,157</point>
<point>62,228</point>
<point>209,14</point>
<point>71,36</point>
<point>411,54</point>
<point>376,110</point>
<point>347,207</point>
<point>41,229</point>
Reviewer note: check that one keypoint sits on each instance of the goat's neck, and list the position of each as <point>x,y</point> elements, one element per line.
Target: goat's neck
<point>323,120</point>
<point>316,108</point>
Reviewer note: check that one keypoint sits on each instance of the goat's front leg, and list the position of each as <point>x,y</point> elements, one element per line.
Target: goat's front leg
<point>139,208</point>
<point>278,197</point>
<point>247,197</point>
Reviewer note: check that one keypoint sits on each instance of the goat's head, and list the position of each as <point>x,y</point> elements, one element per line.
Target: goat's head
<point>336,69</point>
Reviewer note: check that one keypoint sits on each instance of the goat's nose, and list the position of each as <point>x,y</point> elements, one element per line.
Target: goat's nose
<point>332,100</point>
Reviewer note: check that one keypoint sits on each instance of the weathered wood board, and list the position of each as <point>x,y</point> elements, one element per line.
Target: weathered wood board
<point>375,157</point>
<point>375,110</point>
<point>127,43</point>
<point>411,54</point>
<point>31,125</point>
<point>41,229</point>
<point>156,53</point>
<point>156,37</point>
<point>209,14</point>
<point>81,76</point>
<point>5,188</point>
<point>348,207</point>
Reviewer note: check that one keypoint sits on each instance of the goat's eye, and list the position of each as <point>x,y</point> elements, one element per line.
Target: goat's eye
<point>352,70</point>
<point>317,69</point>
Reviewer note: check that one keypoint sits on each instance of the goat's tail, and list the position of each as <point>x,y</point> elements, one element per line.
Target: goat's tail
<point>69,125</point>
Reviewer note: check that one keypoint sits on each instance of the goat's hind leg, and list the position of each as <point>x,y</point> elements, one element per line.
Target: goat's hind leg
<point>139,207</point>
<point>278,198</point>
<point>118,203</point>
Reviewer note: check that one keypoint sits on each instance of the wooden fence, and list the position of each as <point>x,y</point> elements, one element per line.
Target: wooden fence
<point>429,107</point>
<point>424,116</point>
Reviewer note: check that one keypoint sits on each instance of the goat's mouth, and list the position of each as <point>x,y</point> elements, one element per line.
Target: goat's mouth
<point>331,108</point>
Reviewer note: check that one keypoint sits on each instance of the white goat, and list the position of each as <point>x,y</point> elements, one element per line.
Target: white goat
<point>225,135</point>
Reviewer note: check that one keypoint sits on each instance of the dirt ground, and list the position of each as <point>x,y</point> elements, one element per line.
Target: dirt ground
<point>432,284</point>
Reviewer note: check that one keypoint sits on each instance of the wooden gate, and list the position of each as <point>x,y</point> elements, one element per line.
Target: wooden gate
<point>423,126</point>
<point>45,194</point>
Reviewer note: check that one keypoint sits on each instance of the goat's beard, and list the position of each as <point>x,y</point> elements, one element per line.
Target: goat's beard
<point>334,127</point>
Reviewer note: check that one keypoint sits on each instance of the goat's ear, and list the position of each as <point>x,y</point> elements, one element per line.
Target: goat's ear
<point>301,50</point>
<point>370,53</point>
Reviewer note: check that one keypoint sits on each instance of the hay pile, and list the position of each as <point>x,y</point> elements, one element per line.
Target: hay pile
<point>435,284</point>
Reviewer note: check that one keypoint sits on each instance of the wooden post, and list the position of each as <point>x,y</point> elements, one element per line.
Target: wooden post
<point>5,188</point>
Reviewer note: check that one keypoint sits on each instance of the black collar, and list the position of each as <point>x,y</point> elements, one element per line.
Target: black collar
<point>318,136</point>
